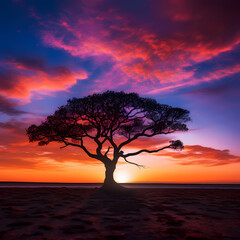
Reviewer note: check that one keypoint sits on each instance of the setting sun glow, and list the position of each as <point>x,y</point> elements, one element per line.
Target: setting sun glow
<point>122,176</point>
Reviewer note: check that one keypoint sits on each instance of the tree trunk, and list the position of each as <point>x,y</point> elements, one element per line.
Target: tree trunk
<point>109,182</point>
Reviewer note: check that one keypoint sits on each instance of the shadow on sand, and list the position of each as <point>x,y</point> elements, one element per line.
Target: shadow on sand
<point>120,202</point>
<point>117,214</point>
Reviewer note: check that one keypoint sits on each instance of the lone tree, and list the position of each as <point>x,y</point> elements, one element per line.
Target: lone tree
<point>111,120</point>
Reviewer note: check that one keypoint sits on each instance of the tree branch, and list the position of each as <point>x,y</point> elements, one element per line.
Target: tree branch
<point>136,136</point>
<point>107,151</point>
<point>84,149</point>
<point>144,150</point>
<point>138,165</point>
<point>64,146</point>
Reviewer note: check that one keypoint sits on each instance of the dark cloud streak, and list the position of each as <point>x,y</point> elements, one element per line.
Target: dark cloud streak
<point>9,107</point>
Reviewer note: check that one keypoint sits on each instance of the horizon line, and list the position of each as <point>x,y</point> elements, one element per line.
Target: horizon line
<point>160,183</point>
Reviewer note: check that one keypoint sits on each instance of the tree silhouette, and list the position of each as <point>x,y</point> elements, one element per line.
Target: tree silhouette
<point>111,120</point>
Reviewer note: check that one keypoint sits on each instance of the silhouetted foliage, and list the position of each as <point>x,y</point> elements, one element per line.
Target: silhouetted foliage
<point>104,118</point>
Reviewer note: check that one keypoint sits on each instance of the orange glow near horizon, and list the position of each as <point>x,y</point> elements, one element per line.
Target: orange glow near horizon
<point>162,173</point>
<point>32,163</point>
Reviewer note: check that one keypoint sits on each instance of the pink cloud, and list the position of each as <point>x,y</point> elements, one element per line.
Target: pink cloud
<point>141,58</point>
<point>200,155</point>
<point>220,73</point>
<point>23,77</point>
<point>192,80</point>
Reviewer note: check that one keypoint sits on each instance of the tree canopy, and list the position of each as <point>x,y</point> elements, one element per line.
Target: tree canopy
<point>107,117</point>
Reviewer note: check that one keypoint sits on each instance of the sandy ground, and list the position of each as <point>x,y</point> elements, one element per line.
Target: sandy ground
<point>65,213</point>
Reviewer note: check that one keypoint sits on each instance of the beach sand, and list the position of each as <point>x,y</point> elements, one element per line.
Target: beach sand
<point>77,213</point>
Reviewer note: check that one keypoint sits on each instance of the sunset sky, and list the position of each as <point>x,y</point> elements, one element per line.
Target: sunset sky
<point>181,53</point>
